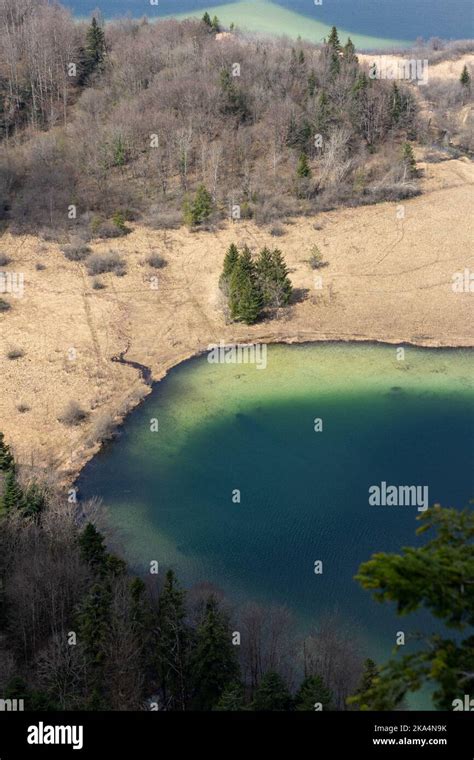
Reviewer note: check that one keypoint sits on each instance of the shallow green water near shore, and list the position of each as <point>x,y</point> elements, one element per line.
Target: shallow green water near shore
<point>303,494</point>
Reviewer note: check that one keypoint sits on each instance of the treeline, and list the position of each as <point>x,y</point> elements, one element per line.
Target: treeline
<point>254,287</point>
<point>78,631</point>
<point>132,118</point>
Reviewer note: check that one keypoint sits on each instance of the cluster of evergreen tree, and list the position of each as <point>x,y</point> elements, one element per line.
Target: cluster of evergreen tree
<point>251,286</point>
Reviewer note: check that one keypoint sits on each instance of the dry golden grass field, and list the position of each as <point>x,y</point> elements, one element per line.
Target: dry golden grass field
<point>389,278</point>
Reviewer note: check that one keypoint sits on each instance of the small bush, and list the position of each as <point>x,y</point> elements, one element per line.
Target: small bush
<point>101,263</point>
<point>4,305</point>
<point>118,220</point>
<point>98,285</point>
<point>73,415</point>
<point>15,353</point>
<point>106,229</point>
<point>156,261</point>
<point>277,230</point>
<point>40,267</point>
<point>76,250</point>
<point>22,408</point>
<point>4,260</point>
<point>316,258</point>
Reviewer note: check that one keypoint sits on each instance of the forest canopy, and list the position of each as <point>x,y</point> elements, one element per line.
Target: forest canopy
<point>138,118</point>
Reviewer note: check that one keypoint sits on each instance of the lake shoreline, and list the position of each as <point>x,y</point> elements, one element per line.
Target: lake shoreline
<point>75,473</point>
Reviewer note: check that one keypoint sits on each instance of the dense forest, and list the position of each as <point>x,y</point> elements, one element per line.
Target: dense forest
<point>132,119</point>
<point>78,630</point>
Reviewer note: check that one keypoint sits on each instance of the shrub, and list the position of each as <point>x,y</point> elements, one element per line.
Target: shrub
<point>316,258</point>
<point>101,263</point>
<point>98,285</point>
<point>76,250</point>
<point>156,261</point>
<point>118,220</point>
<point>22,408</point>
<point>15,353</point>
<point>73,415</point>
<point>277,230</point>
<point>40,266</point>
<point>4,305</point>
<point>4,260</point>
<point>109,229</point>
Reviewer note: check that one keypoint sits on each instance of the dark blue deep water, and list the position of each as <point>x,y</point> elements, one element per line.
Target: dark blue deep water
<point>395,19</point>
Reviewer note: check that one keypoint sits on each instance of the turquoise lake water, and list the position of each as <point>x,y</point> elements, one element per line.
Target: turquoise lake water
<point>303,494</point>
<point>393,19</point>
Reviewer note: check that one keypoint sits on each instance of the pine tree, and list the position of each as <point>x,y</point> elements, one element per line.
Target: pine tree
<point>12,494</point>
<point>465,77</point>
<point>207,19</point>
<point>173,644</point>
<point>215,24</point>
<point>92,547</point>
<point>214,664</point>
<point>6,457</point>
<point>333,40</point>
<point>303,170</point>
<point>312,693</point>
<point>272,694</point>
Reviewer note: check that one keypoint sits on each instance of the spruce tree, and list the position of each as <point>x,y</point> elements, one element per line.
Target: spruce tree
<point>214,664</point>
<point>34,500</point>
<point>199,210</point>
<point>95,47</point>
<point>173,644</point>
<point>92,547</point>
<point>231,259</point>
<point>93,626</point>
<point>313,693</point>
<point>333,40</point>
<point>272,694</point>
<point>408,158</point>
<point>232,699</point>
<point>207,19</point>
<point>245,299</point>
<point>465,77</point>
<point>303,169</point>
<point>6,457</point>
<point>12,494</point>
<point>349,52</point>
<point>311,84</point>
<point>215,24</point>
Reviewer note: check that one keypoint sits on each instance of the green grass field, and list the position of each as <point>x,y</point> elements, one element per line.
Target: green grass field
<point>264,16</point>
